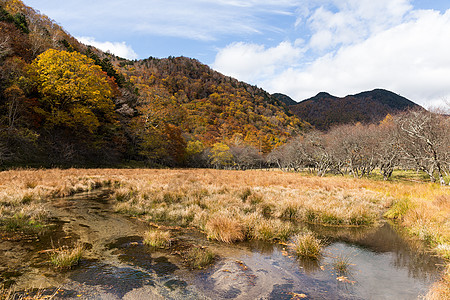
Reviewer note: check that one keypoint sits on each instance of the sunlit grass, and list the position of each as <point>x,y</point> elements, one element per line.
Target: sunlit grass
<point>224,228</point>
<point>157,238</point>
<point>66,258</point>
<point>230,206</point>
<point>307,245</point>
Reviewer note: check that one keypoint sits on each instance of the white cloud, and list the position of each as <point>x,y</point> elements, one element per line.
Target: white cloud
<point>408,55</point>
<point>204,20</point>
<point>120,49</point>
<point>410,58</point>
<point>337,22</point>
<point>254,62</point>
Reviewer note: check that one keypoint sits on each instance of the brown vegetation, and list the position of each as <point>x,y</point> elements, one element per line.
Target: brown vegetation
<point>157,238</point>
<point>234,205</point>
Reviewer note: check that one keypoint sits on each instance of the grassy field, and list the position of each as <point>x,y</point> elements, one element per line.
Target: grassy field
<point>232,206</point>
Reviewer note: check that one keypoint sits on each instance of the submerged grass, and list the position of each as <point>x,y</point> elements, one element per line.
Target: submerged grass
<point>341,264</point>
<point>36,294</point>
<point>199,258</point>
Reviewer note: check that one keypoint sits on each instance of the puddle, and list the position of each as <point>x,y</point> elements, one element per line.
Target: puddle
<point>117,265</point>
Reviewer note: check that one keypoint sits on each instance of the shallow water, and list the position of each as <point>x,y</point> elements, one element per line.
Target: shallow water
<point>118,265</point>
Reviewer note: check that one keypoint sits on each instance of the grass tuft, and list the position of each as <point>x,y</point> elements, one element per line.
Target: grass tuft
<point>157,238</point>
<point>66,258</point>
<point>307,245</point>
<point>200,258</point>
<point>341,264</point>
<point>225,229</point>
<point>399,209</point>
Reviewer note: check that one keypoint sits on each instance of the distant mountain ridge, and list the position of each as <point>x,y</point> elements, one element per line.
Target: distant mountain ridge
<point>285,99</point>
<point>324,110</point>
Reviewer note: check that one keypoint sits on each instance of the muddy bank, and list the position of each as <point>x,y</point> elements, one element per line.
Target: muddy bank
<point>117,265</point>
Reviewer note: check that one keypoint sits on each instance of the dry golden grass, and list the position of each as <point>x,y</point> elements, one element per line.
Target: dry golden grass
<point>157,238</point>
<point>23,192</point>
<point>441,289</point>
<point>66,258</point>
<point>307,245</point>
<point>255,202</point>
<point>224,228</point>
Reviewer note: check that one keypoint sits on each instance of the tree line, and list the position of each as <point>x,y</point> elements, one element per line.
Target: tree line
<point>413,140</point>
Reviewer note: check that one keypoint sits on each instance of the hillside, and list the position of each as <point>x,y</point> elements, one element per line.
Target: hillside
<point>324,110</point>
<point>285,99</point>
<point>65,103</point>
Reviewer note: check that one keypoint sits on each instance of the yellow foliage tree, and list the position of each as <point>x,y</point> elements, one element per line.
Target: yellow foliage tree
<point>73,90</point>
<point>221,156</point>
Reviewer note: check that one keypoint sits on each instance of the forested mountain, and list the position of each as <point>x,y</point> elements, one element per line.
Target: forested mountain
<point>285,99</point>
<point>324,111</point>
<point>64,103</point>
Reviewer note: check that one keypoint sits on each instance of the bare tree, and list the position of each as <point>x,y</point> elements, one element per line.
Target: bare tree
<point>245,157</point>
<point>354,147</point>
<point>423,140</point>
<point>387,151</point>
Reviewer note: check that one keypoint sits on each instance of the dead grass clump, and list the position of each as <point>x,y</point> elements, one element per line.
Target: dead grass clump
<point>290,210</point>
<point>199,258</point>
<point>307,245</point>
<point>158,238</point>
<point>123,194</point>
<point>272,229</point>
<point>66,258</point>
<point>224,228</point>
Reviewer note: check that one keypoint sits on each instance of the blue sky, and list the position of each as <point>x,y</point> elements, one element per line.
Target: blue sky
<point>296,47</point>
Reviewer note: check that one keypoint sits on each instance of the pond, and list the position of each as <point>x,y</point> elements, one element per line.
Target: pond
<point>367,263</point>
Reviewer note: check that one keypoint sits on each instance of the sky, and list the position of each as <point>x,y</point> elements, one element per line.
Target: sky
<point>295,47</point>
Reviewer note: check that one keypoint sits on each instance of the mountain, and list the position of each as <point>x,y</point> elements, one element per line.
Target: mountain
<point>285,99</point>
<point>65,103</point>
<point>324,110</point>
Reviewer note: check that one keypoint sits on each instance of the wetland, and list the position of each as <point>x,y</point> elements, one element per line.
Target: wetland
<point>252,259</point>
